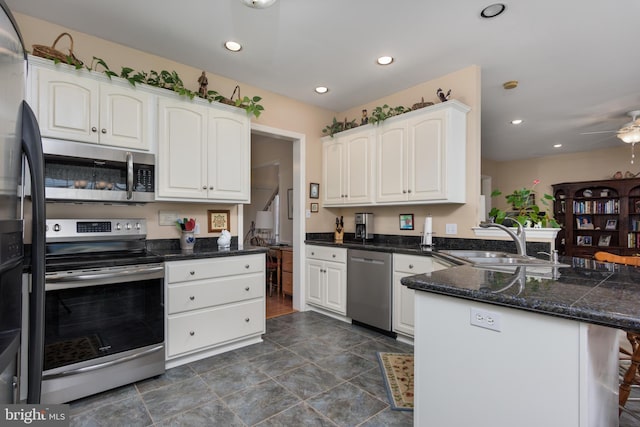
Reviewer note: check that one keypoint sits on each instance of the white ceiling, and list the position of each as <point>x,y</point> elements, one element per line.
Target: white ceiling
<point>577,61</point>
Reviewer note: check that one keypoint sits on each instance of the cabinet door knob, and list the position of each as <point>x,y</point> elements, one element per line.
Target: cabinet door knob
<point>334,255</point>
<point>204,187</point>
<point>192,272</point>
<point>247,320</point>
<point>94,129</point>
<point>192,333</point>
<point>313,253</point>
<point>211,188</point>
<point>410,265</point>
<point>409,191</point>
<point>247,289</point>
<point>404,191</point>
<point>103,131</point>
<point>192,297</point>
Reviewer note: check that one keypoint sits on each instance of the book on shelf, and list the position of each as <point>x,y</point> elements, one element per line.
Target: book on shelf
<point>611,206</point>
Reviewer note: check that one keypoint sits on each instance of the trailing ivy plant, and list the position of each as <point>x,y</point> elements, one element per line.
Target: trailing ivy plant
<point>337,126</point>
<point>380,114</point>
<point>170,81</point>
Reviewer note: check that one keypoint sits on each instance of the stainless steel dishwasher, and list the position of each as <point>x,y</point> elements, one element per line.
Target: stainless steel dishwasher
<point>369,288</point>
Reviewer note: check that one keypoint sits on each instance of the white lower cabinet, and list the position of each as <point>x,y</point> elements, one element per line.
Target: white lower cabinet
<point>403,319</point>
<point>213,305</point>
<point>326,278</point>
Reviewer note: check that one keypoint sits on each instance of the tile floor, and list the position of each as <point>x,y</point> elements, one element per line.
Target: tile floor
<point>310,370</point>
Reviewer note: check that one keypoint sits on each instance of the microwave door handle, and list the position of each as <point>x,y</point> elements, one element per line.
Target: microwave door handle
<point>129,175</point>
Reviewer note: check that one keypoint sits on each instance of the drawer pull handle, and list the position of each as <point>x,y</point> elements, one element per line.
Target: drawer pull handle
<point>192,333</point>
<point>313,253</point>
<point>204,187</point>
<point>104,131</point>
<point>246,266</point>
<point>192,272</point>
<point>247,320</point>
<point>247,289</point>
<point>334,255</point>
<point>192,297</point>
<point>410,265</point>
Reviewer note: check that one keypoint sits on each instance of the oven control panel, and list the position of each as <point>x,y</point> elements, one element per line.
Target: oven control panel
<point>72,229</point>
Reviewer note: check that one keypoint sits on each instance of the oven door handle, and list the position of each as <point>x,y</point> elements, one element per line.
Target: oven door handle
<point>129,274</point>
<point>129,175</point>
<point>104,364</point>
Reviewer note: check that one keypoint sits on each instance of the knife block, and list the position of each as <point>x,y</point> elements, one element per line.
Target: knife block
<point>338,236</point>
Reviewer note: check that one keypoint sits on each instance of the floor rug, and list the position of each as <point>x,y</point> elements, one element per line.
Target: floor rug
<point>397,371</point>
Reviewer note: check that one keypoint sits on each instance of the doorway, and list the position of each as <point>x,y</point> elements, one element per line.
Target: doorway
<point>283,151</point>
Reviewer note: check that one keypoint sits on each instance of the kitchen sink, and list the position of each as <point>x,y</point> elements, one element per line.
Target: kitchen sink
<point>496,258</point>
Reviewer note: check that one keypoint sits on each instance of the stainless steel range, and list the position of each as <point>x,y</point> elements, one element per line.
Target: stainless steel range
<point>104,313</point>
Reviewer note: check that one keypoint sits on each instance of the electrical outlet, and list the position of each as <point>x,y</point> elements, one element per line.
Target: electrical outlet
<point>451,229</point>
<point>486,319</point>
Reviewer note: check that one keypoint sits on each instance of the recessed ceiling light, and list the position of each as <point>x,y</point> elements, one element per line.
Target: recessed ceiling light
<point>259,4</point>
<point>557,145</point>
<point>493,10</point>
<point>233,46</point>
<point>385,60</point>
<point>516,121</point>
<point>321,90</point>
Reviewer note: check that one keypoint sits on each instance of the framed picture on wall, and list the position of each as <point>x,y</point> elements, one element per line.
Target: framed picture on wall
<point>314,207</point>
<point>218,221</point>
<point>406,221</point>
<point>314,191</point>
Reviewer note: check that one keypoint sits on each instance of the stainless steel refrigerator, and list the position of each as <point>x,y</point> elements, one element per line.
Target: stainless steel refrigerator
<point>19,139</point>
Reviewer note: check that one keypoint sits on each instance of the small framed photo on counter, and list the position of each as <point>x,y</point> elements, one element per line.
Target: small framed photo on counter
<point>584,222</point>
<point>611,224</point>
<point>406,221</point>
<point>218,221</point>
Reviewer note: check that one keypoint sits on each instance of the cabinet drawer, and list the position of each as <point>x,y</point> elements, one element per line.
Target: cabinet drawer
<point>212,292</point>
<point>326,253</point>
<point>412,264</point>
<point>182,271</point>
<point>194,331</point>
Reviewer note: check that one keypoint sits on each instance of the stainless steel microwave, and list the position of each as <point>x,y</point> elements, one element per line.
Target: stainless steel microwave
<point>84,172</point>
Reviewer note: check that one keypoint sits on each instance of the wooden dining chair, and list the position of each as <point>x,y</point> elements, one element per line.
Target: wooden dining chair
<point>274,270</point>
<point>631,375</point>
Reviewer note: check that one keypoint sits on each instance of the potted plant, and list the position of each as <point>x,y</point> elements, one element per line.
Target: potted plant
<point>525,210</point>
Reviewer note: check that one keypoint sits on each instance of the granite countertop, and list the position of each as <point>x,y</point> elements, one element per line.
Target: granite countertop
<point>589,291</point>
<point>394,247</point>
<point>204,251</point>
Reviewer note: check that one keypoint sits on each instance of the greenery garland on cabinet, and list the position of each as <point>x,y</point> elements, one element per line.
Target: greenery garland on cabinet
<point>170,81</point>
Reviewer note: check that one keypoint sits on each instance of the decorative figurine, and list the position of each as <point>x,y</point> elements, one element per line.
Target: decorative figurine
<point>364,119</point>
<point>204,82</point>
<point>442,95</point>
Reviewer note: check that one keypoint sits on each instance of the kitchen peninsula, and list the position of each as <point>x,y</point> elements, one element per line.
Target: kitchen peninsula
<point>519,348</point>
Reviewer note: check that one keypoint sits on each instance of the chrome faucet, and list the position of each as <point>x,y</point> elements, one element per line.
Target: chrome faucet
<point>518,237</point>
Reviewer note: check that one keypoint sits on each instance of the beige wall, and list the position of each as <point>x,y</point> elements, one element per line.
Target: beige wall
<point>584,166</point>
<point>290,115</point>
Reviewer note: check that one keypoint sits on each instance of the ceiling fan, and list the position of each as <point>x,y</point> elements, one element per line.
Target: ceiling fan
<point>629,132</point>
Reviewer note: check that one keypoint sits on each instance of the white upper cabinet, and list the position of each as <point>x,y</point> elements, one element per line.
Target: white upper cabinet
<point>421,157</point>
<point>347,166</point>
<point>80,106</point>
<point>203,153</point>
